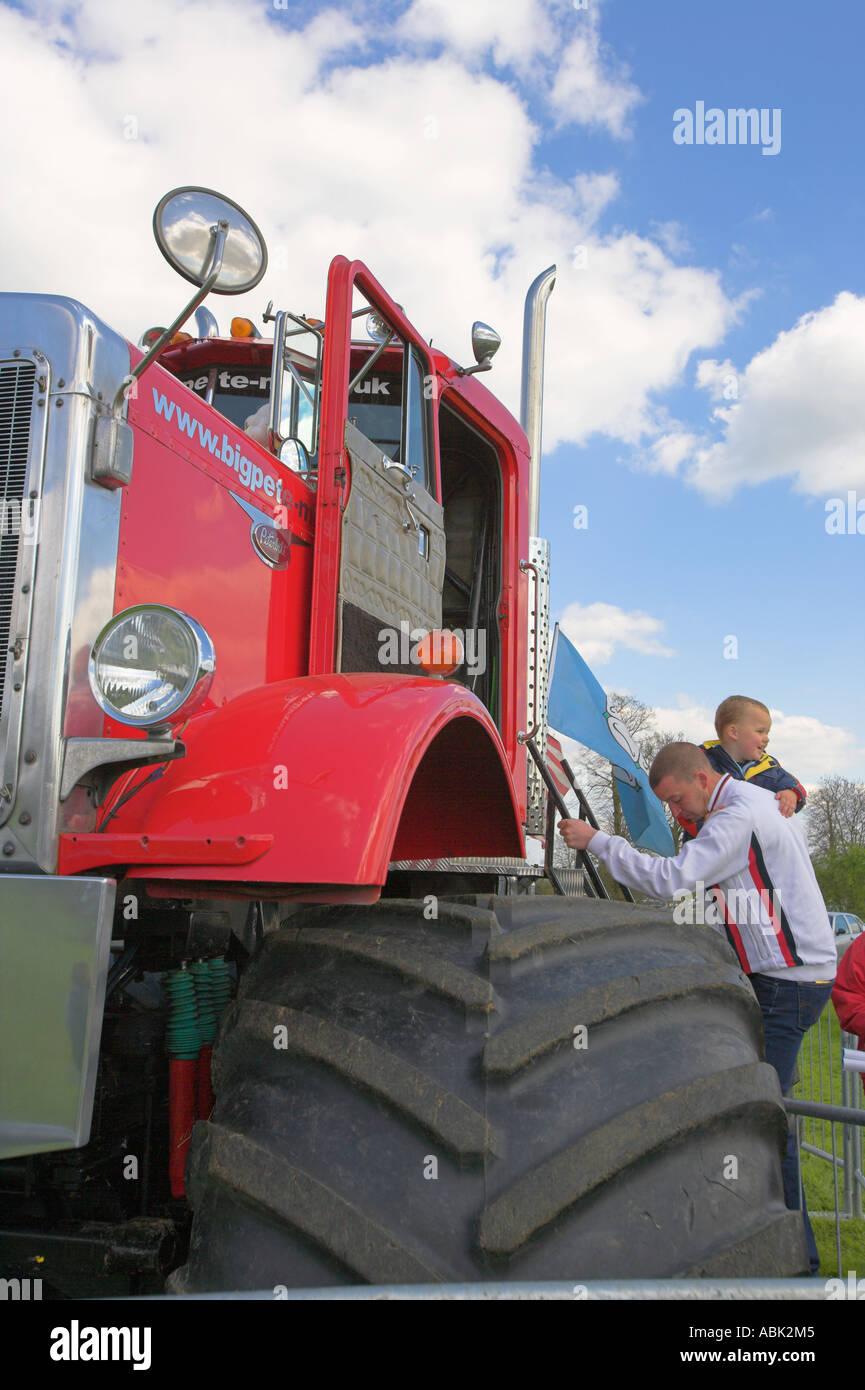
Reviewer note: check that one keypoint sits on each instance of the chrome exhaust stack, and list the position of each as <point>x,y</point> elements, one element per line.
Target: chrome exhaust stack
<point>532,385</point>
<point>537,566</point>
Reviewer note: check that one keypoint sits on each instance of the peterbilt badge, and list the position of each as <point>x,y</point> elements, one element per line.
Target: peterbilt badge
<point>272,547</point>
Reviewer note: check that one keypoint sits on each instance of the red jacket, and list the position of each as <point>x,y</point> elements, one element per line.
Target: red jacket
<point>848,996</point>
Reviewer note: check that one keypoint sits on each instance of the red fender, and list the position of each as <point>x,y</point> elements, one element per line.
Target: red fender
<point>336,774</point>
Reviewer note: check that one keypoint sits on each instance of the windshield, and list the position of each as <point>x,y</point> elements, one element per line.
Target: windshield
<point>240,390</point>
<point>237,394</point>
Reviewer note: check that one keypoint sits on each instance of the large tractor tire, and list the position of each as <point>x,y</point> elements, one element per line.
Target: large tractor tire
<point>521,1088</point>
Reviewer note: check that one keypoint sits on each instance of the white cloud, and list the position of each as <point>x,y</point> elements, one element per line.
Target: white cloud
<point>446,204</point>
<point>621,332</point>
<point>589,87</point>
<point>559,44</point>
<point>797,410</point>
<point>673,237</point>
<point>670,451</point>
<point>812,750</point>
<point>594,193</point>
<point>803,745</point>
<point>720,379</point>
<point>597,629</point>
<point>514,32</point>
<point>693,720</point>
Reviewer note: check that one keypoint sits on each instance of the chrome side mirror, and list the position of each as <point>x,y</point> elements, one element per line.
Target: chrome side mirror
<point>185,224</point>
<point>485,342</point>
<point>295,456</point>
<point>209,240</point>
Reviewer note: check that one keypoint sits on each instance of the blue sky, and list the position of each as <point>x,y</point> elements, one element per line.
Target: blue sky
<point>758,564</point>
<point>706,337</point>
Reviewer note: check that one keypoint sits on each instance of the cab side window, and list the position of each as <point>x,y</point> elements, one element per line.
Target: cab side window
<point>417,426</point>
<point>375,406</point>
<point>391,408</point>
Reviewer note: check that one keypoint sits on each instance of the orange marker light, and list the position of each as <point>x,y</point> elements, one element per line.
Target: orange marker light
<point>243,328</point>
<point>149,337</point>
<point>181,337</point>
<point>440,653</point>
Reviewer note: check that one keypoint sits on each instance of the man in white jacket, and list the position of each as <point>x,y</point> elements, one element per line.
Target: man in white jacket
<point>755,866</point>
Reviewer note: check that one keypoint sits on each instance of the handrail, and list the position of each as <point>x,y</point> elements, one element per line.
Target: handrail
<point>526,565</point>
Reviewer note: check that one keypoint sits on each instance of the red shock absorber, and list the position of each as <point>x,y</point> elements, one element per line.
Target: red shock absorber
<point>183,1044</point>
<point>212,1004</point>
<point>203,1083</point>
<point>203,979</point>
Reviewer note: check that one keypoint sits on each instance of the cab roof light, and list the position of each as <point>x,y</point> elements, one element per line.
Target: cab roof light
<point>244,328</point>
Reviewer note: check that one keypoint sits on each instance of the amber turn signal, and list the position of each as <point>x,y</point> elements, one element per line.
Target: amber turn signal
<point>440,653</point>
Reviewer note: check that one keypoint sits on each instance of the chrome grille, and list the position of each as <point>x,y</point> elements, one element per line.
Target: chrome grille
<point>17,382</point>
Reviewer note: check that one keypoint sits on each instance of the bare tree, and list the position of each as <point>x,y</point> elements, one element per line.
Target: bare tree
<point>652,745</point>
<point>596,775</point>
<point>600,784</point>
<point>836,817</point>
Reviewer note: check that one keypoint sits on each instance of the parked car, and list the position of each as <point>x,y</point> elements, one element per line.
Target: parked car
<point>846,926</point>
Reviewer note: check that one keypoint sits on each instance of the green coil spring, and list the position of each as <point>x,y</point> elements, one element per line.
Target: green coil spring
<point>220,978</point>
<point>207,1014</point>
<point>183,1033</point>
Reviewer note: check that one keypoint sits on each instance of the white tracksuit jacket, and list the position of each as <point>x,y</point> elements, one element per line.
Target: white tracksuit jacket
<point>755,865</point>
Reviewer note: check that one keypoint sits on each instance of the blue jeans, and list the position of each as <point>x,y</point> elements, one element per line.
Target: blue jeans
<point>789,1008</point>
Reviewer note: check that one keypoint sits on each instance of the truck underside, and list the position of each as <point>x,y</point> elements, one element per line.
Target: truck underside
<point>423,1090</point>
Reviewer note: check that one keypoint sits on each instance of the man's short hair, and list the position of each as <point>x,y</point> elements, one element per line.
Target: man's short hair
<point>678,760</point>
<point>731,710</point>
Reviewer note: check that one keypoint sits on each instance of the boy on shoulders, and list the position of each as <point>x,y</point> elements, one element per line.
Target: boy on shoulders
<point>742,726</point>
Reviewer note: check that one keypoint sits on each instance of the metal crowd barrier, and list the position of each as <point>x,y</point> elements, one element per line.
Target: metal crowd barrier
<point>826,1132</point>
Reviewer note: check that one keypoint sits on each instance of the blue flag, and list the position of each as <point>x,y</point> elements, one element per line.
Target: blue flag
<point>577,707</point>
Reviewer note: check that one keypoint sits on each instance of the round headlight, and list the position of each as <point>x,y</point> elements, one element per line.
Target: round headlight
<point>151,665</point>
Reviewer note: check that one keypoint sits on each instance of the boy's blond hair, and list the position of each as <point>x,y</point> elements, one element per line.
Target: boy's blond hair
<point>731,710</point>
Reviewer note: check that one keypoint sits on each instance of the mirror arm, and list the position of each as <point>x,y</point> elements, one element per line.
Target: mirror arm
<point>301,384</point>
<point>274,420</point>
<point>277,363</point>
<point>485,366</point>
<point>318,332</point>
<point>370,362</point>
<point>218,235</point>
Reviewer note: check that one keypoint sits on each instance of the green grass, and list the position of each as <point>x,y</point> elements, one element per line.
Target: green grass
<point>820,1073</point>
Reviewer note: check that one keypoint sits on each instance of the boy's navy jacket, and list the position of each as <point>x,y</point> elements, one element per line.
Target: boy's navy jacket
<point>766,773</point>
